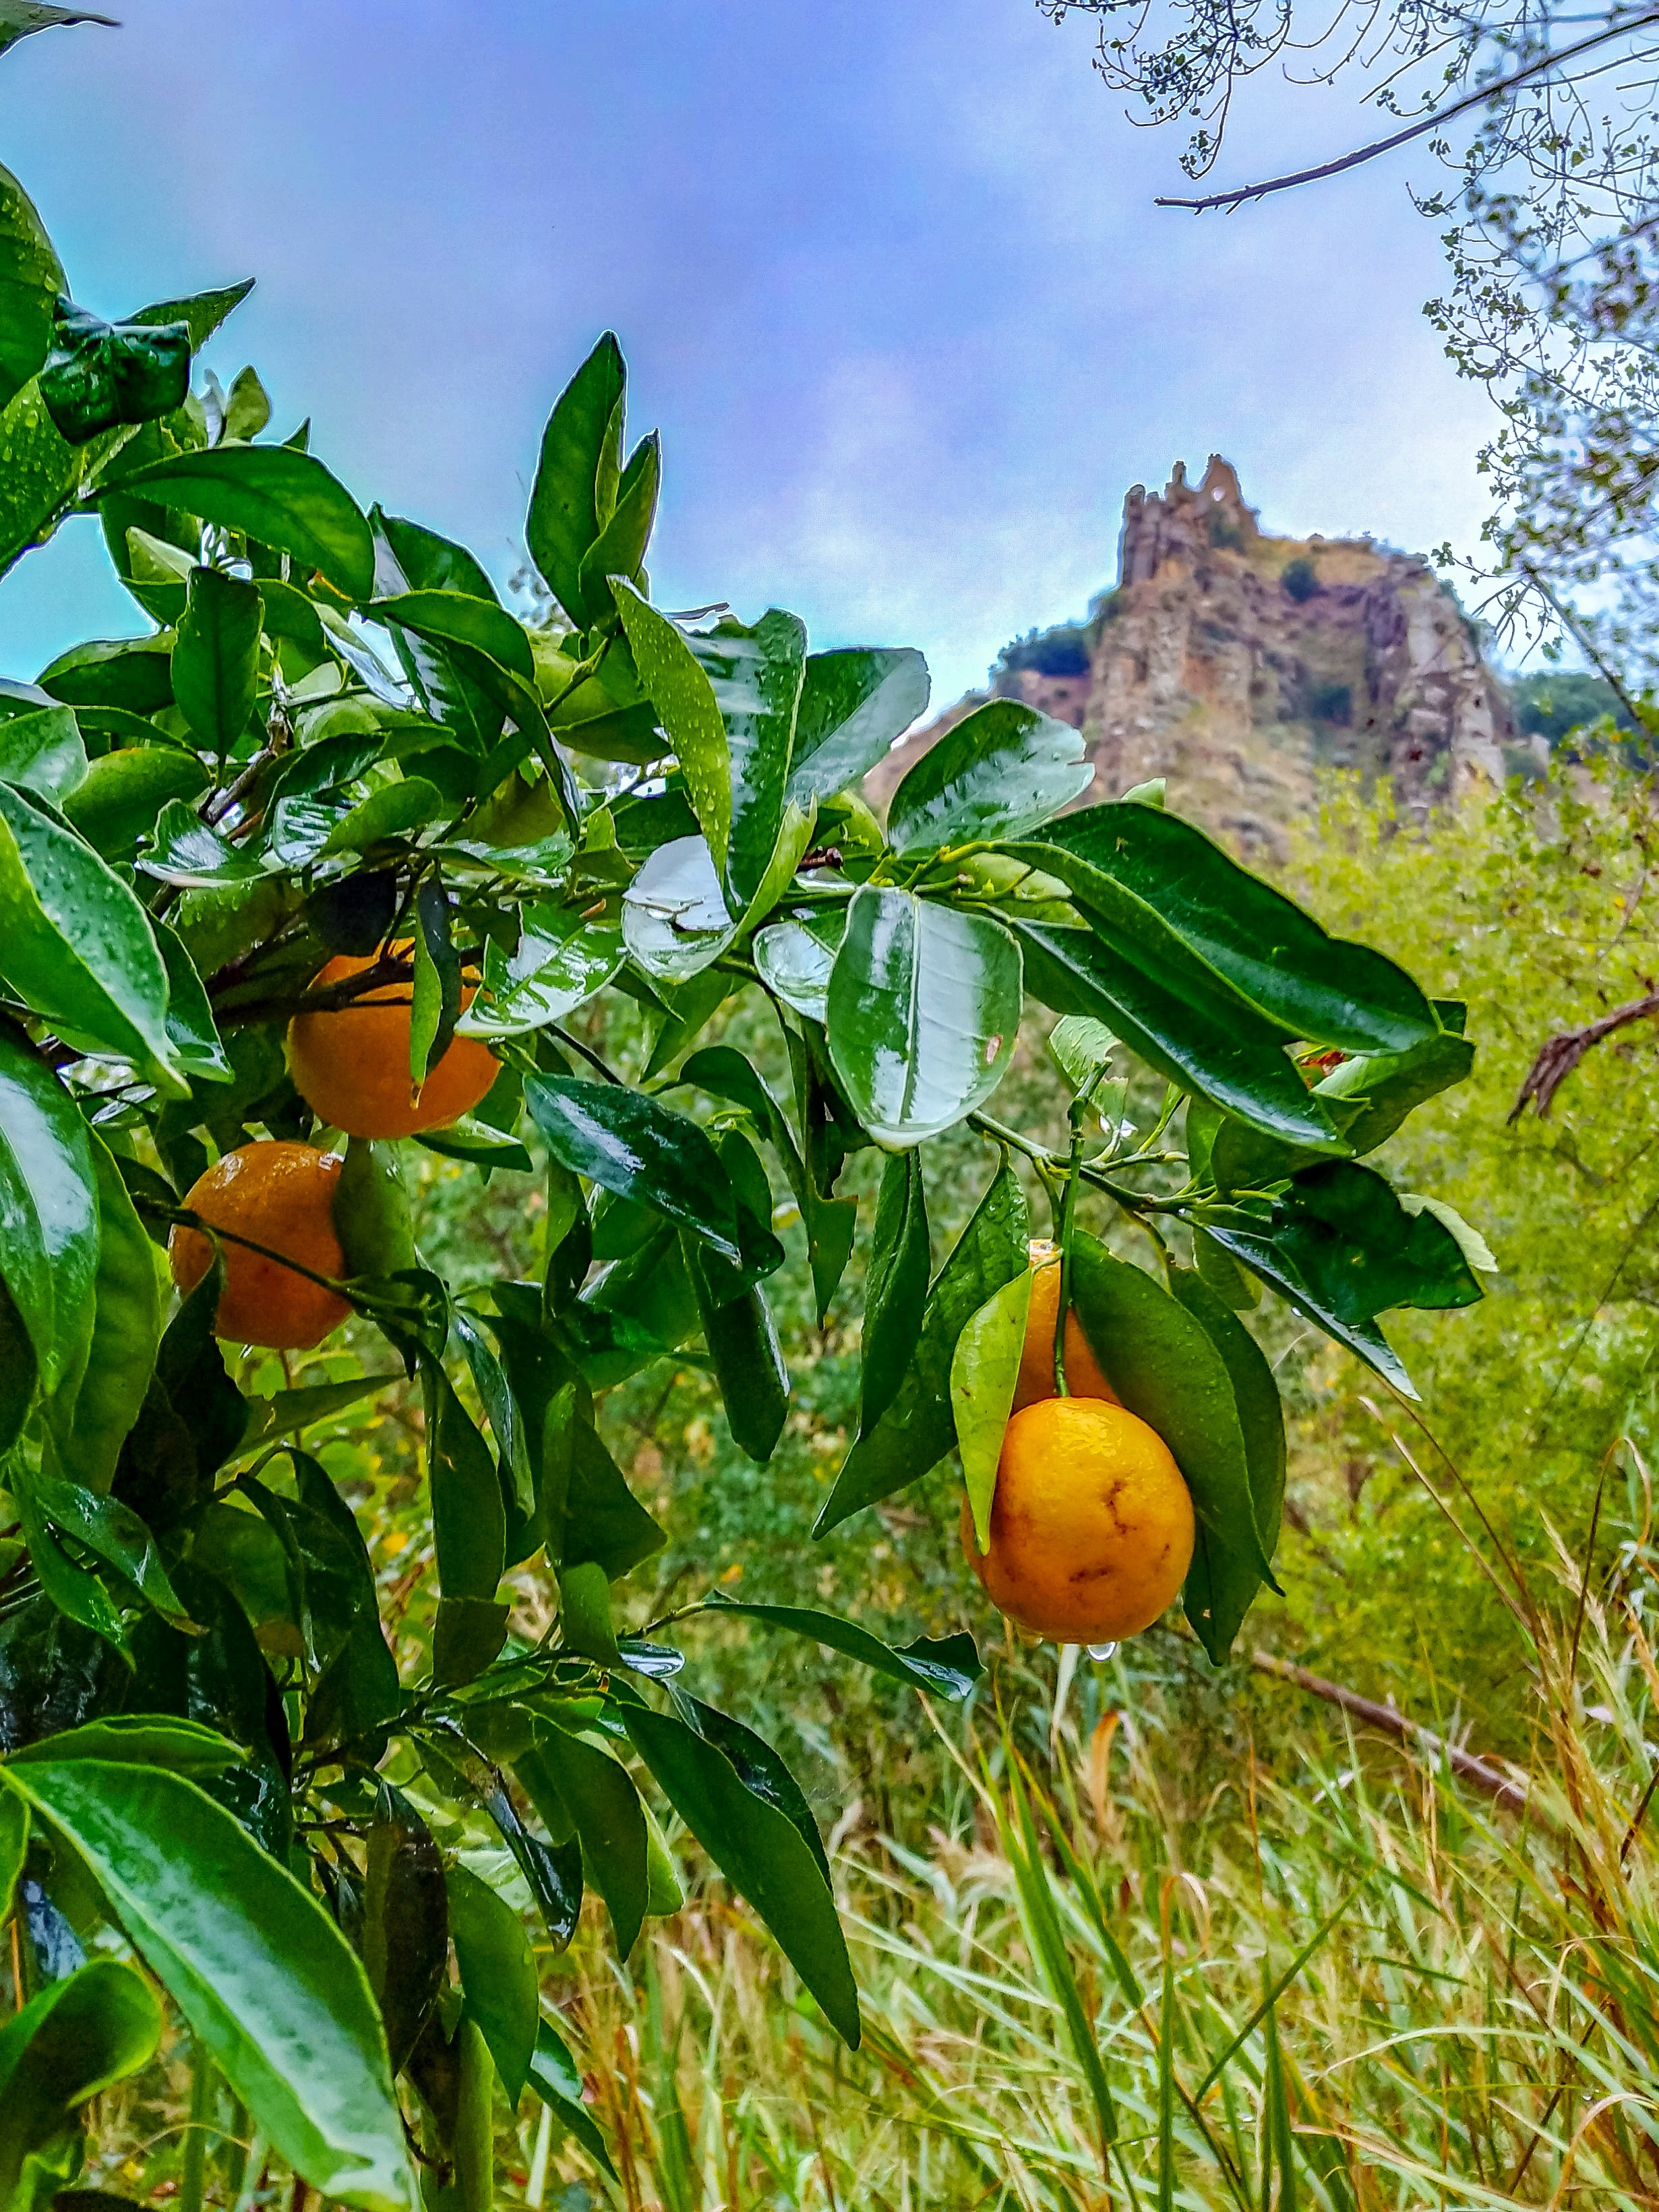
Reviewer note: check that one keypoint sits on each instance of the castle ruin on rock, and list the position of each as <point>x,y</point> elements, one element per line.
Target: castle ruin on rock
<point>1235,665</point>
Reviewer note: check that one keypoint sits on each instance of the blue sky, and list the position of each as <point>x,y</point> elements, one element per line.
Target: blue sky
<point>888,276</point>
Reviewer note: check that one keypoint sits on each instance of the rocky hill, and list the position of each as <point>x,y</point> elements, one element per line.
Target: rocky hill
<point>1235,665</point>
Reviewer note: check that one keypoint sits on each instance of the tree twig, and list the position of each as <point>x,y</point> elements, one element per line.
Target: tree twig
<point>1498,1786</point>
<point>1241,193</point>
<point>1559,1055</point>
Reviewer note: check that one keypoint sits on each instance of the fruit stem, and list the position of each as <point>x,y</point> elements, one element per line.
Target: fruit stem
<point>1068,1210</point>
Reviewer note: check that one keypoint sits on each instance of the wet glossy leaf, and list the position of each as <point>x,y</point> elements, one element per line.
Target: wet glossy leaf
<point>1164,1367</point>
<point>924,1009</point>
<point>187,852</point>
<point>761,1853</point>
<point>756,676</point>
<point>183,1746</point>
<point>131,674</point>
<point>31,277</point>
<point>900,1261</point>
<point>675,921</point>
<point>984,1375</point>
<point>638,1148</point>
<point>1205,1044</point>
<point>123,793</point>
<point>1223,1581</point>
<point>684,697</point>
<point>565,514</point>
<point>854,704</point>
<point>947,1667</point>
<point>469,1519</point>
<point>260,1972</point>
<point>600,1800</point>
<point>94,1409</point>
<point>1079,1048</point>
<point>282,498</point>
<point>794,959</point>
<point>560,961</point>
<point>43,751</point>
<point>100,376</point>
<point>749,1364</point>
<point>77,945</point>
<point>49,1211</point>
<point>618,552</point>
<point>1324,988</point>
<point>77,2036</point>
<point>603,1523</point>
<point>919,1427</point>
<point>497,1973</point>
<point>998,773</point>
<point>216,656</point>
<point>555,2078</point>
<point>1341,1249</point>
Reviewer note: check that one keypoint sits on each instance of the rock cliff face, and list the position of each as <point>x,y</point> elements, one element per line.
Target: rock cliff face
<point>1235,665</point>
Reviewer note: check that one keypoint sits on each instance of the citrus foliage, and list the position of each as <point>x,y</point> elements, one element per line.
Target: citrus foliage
<point>342,797</point>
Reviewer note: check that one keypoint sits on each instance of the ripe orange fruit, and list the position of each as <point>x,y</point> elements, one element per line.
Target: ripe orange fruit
<point>352,1067</point>
<point>1091,1525</point>
<point>1037,1360</point>
<point>280,1195</point>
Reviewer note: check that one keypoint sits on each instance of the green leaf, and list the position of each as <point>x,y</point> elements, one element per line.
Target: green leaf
<point>132,673</point>
<point>947,1668</point>
<point>39,473</point>
<point>603,1523</point>
<point>191,1024</point>
<point>756,676</point>
<point>900,1261</point>
<point>183,1746</point>
<point>287,1411</point>
<point>200,312</point>
<point>749,1364</point>
<point>476,1142</point>
<point>263,1977</point>
<point>436,996</point>
<point>217,657</point>
<point>1223,1581</point>
<point>998,773</point>
<point>454,617</point>
<point>247,406</point>
<point>638,1148</point>
<point>408,560</point>
<point>43,751</point>
<point>984,1375</point>
<point>794,839</point>
<point>919,1427</point>
<point>101,375</point>
<point>924,1009</point>
<point>467,1635</point>
<point>392,810</point>
<point>554,2077</point>
<point>1164,1368</point>
<point>1324,988</point>
<point>560,961</point>
<point>469,1519</point>
<point>75,944</point>
<point>758,1767</point>
<point>1202,1042</point>
<point>854,704</point>
<point>189,854</point>
<point>1341,1248</point>
<point>281,497</point>
<point>618,552</point>
<point>759,1851</point>
<point>17,1371</point>
<point>600,1801</point>
<point>92,1412</point>
<point>1383,1088</point>
<point>683,697</point>
<point>794,959</point>
<point>31,277</point>
<point>565,517</point>
<point>14,1839</point>
<point>1079,1048</point>
<point>123,793</point>
<point>498,1974</point>
<point>49,1211</point>
<point>78,2037</point>
<point>674,917</point>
